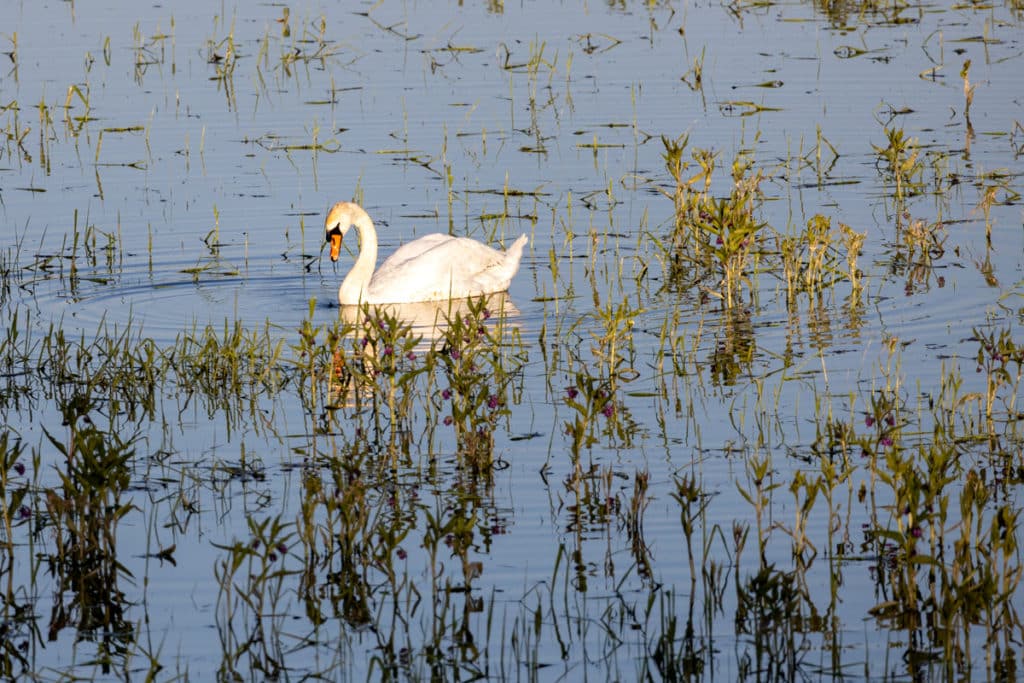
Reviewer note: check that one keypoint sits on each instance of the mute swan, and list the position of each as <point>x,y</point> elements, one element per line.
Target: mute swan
<point>433,268</point>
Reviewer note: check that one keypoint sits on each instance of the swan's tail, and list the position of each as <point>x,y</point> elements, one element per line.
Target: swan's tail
<point>512,257</point>
<point>499,276</point>
<point>514,254</point>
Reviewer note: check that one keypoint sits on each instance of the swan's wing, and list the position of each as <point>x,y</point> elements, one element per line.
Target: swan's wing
<point>436,267</point>
<point>415,248</point>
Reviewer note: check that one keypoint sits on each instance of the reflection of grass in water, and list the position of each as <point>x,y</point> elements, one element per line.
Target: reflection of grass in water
<point>397,509</point>
<point>378,441</point>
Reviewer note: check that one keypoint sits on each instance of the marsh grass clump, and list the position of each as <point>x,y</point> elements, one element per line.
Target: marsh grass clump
<point>593,403</point>
<point>677,652</point>
<point>118,369</point>
<point>812,261</point>
<point>1001,360</point>
<point>479,373</point>
<point>940,580</point>
<point>230,369</point>
<point>900,158</point>
<point>399,390</point>
<point>364,369</point>
<point>595,394</point>
<point>947,556</point>
<point>712,236</point>
<point>383,373</point>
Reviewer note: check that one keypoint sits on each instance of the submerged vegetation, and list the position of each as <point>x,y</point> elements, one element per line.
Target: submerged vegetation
<point>752,408</point>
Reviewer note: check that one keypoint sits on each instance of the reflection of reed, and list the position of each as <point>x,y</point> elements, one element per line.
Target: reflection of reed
<point>86,511</point>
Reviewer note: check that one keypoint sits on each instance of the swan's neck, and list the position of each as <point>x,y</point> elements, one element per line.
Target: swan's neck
<point>354,288</point>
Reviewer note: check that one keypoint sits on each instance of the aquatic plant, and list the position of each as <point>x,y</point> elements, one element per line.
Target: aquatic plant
<point>901,158</point>
<point>713,235</point>
<point>479,375</point>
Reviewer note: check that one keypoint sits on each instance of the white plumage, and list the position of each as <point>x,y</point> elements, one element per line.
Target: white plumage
<point>435,267</point>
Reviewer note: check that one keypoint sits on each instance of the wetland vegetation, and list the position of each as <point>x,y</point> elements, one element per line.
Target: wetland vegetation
<point>751,408</point>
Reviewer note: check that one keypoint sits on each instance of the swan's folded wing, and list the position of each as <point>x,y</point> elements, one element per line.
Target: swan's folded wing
<point>438,267</point>
<point>415,249</point>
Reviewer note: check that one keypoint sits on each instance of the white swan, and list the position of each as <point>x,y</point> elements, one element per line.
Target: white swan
<point>433,268</point>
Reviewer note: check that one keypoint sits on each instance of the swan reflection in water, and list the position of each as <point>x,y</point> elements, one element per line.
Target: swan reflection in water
<point>397,338</point>
<point>430,319</point>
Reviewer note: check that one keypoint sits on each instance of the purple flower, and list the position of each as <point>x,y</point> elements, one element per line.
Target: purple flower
<point>24,512</point>
<point>447,420</point>
<point>272,557</point>
<point>363,342</point>
<point>411,355</point>
<point>19,468</point>
<point>869,421</point>
<point>446,394</point>
<point>454,353</point>
<point>887,441</point>
<point>388,350</point>
<point>487,313</point>
<point>571,392</point>
<point>916,532</point>
<point>492,401</point>
<point>608,410</point>
<point>890,420</point>
<point>401,554</point>
<point>282,548</point>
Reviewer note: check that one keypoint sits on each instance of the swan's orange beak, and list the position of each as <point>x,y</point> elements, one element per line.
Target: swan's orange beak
<point>335,238</point>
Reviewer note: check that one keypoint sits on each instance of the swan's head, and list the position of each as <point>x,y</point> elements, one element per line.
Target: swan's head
<point>340,218</point>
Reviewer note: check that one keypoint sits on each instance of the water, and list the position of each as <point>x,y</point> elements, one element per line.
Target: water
<point>194,152</point>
